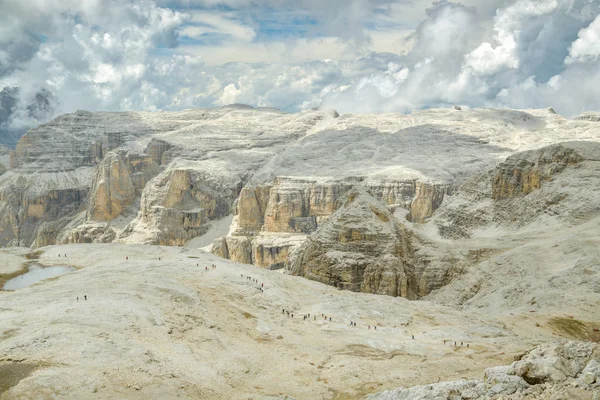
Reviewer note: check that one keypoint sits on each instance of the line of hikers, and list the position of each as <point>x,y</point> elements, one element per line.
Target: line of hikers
<point>253,280</point>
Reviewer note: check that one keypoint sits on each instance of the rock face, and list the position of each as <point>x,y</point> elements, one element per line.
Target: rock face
<point>112,190</point>
<point>561,370</point>
<point>557,182</point>
<point>363,247</point>
<point>105,163</point>
<point>165,178</point>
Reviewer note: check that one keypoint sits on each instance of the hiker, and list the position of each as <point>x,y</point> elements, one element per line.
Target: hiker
<point>375,326</point>
<point>85,296</point>
<point>467,345</point>
<point>126,258</point>
<point>158,258</point>
<point>351,324</point>
<point>292,315</point>
<point>455,343</point>
<point>413,336</point>
<point>262,285</point>
<point>461,343</point>
<point>283,311</point>
<point>308,315</point>
<point>58,255</point>
<point>329,319</point>
<point>77,298</point>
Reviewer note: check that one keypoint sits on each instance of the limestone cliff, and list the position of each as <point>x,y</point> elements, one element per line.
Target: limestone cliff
<point>104,162</point>
<point>557,184</point>
<point>112,190</point>
<point>363,247</point>
<point>269,214</point>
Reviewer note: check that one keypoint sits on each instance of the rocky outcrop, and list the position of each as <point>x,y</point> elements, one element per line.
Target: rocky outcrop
<point>29,216</point>
<point>112,190</point>
<point>297,207</point>
<point>88,233</point>
<point>523,173</point>
<point>279,173</point>
<point>555,184</point>
<point>177,206</point>
<point>363,247</point>
<point>562,370</point>
<point>141,169</point>
<point>238,248</point>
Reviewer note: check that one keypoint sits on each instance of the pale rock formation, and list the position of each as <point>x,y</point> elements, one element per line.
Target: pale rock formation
<point>289,206</point>
<point>237,248</point>
<point>559,370</point>
<point>556,183</point>
<point>112,190</point>
<point>54,166</point>
<point>177,205</point>
<point>538,216</point>
<point>364,247</point>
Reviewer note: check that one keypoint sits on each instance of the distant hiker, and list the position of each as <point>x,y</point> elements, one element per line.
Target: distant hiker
<point>375,327</point>
<point>467,345</point>
<point>158,258</point>
<point>262,285</point>
<point>126,257</point>
<point>283,311</point>
<point>59,255</point>
<point>292,315</point>
<point>329,319</point>
<point>85,296</point>
<point>461,343</point>
<point>444,342</point>
<point>77,298</point>
<point>413,336</point>
<point>350,323</point>
<point>455,343</point>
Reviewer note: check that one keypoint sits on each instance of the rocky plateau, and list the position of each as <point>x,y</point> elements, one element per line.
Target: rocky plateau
<point>453,226</point>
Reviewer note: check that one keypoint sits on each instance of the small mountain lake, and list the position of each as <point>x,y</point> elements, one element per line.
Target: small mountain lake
<point>35,274</point>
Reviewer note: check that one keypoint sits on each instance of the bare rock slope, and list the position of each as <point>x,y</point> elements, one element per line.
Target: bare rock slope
<point>166,178</point>
<point>155,322</point>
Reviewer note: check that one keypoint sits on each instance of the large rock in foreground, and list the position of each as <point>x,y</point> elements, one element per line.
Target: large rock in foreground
<point>562,370</point>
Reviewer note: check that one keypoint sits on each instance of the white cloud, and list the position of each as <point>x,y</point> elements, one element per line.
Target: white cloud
<point>587,45</point>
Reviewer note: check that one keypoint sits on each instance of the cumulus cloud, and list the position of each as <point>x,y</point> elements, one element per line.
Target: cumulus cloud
<point>352,55</point>
<point>587,46</point>
<point>524,57</point>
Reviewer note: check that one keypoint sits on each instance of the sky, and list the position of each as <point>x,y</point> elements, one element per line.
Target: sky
<point>355,56</point>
